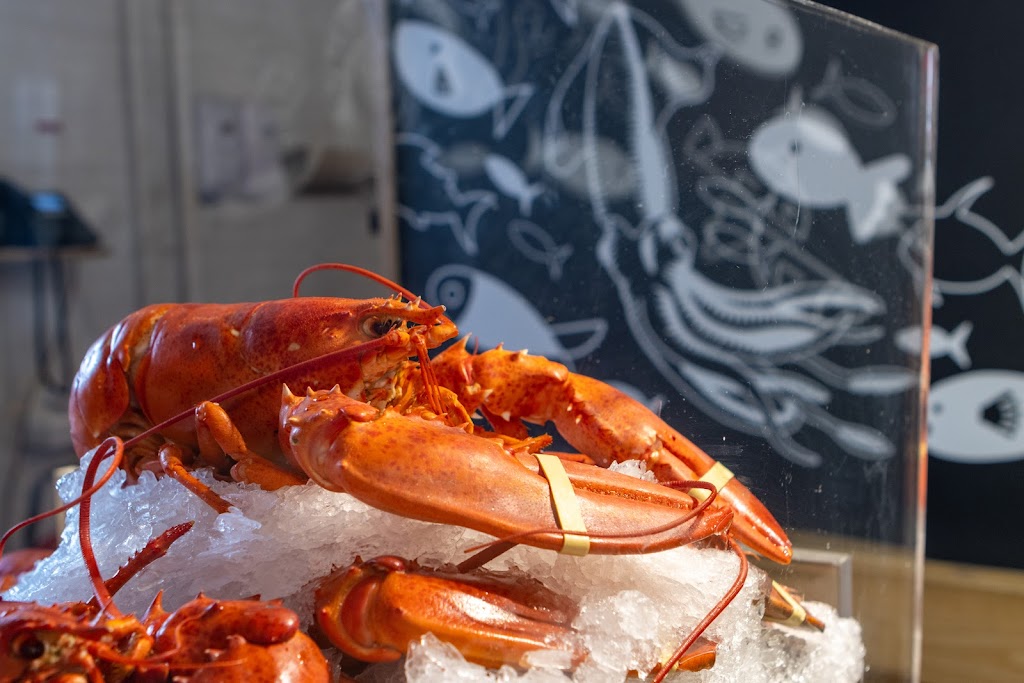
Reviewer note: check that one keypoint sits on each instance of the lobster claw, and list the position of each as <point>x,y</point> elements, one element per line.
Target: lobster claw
<point>424,469</point>
<point>602,422</point>
<point>373,610</point>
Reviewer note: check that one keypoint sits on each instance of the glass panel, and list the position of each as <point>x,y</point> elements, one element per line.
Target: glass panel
<point>721,208</point>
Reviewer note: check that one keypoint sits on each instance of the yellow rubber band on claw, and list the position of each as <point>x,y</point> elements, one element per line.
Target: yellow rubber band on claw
<point>567,506</point>
<point>799,615</point>
<point>719,475</point>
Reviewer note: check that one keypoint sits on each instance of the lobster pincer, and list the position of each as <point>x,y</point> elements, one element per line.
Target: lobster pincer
<point>426,469</point>
<point>512,387</point>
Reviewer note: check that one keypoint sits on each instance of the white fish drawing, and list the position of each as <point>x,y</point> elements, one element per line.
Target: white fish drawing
<point>491,310</point>
<point>856,98</point>
<point>976,417</point>
<point>685,81</point>
<point>987,242</point>
<point>536,244</point>
<point>804,155</point>
<point>563,159</point>
<point>439,201</point>
<point>763,37</point>
<point>465,157</point>
<point>447,74</point>
<point>510,180</point>
<point>942,344</point>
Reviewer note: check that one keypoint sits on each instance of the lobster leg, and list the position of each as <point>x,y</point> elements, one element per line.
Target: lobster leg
<point>600,421</point>
<point>427,470</point>
<point>173,464</point>
<point>218,437</point>
<point>217,433</point>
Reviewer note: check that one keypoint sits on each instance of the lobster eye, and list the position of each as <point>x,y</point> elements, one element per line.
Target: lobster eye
<point>27,646</point>
<point>379,326</point>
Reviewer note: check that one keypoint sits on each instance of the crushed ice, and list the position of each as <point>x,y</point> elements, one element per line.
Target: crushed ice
<point>634,610</point>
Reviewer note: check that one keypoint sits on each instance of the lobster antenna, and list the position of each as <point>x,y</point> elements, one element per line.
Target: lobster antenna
<point>485,552</point>
<point>368,274</point>
<point>275,376</point>
<point>103,596</point>
<point>713,614</point>
<point>349,268</point>
<point>311,363</point>
<point>86,494</point>
<point>153,550</point>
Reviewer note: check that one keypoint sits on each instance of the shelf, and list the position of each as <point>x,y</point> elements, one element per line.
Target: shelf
<point>31,254</point>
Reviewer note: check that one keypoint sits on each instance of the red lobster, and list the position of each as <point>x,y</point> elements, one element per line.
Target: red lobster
<point>225,364</point>
<point>397,433</point>
<point>204,640</point>
<point>14,564</point>
<point>374,610</point>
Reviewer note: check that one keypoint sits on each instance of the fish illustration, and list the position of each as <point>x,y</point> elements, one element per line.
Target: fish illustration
<point>975,417</point>
<point>447,74</point>
<point>563,160</point>
<point>942,344</point>
<point>984,240</point>
<point>748,356</point>
<point>439,201</point>
<point>685,79</point>
<point>510,180</point>
<point>760,36</point>
<point>465,157</point>
<point>804,155</point>
<point>536,244</point>
<point>857,98</point>
<point>496,314</point>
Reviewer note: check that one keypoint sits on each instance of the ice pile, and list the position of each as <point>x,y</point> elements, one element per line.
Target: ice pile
<point>633,609</point>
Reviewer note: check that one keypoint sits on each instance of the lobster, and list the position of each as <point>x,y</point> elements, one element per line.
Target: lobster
<point>324,389</point>
<point>203,640</point>
<point>223,365</point>
<point>374,610</point>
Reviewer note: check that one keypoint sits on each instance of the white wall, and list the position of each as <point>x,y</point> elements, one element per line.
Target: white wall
<point>123,77</point>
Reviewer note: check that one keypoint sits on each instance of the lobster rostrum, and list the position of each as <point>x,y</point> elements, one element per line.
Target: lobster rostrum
<point>203,640</point>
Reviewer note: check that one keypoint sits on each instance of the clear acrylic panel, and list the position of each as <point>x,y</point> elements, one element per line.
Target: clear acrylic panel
<point>722,207</point>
